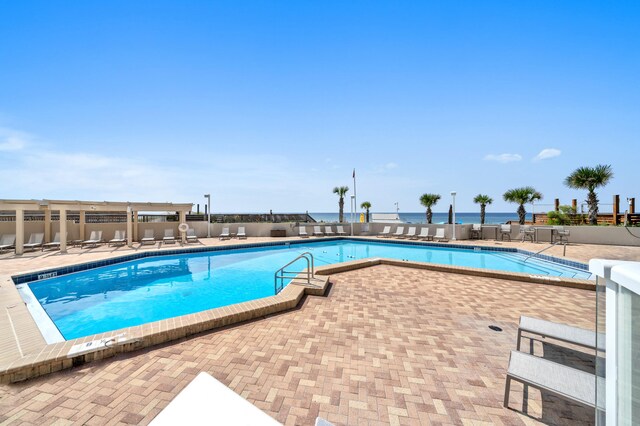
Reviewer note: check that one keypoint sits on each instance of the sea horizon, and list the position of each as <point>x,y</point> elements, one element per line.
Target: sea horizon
<point>420,217</point>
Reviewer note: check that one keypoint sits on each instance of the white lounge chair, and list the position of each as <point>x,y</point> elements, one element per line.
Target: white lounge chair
<point>302,232</point>
<point>242,235</point>
<point>191,236</point>
<point>168,238</point>
<point>476,231</point>
<point>558,331</point>
<point>440,235</point>
<point>424,235</point>
<point>94,239</point>
<point>149,237</point>
<point>399,232</point>
<point>327,231</point>
<point>225,235</point>
<point>53,244</point>
<point>317,232</point>
<point>386,232</point>
<point>505,230</point>
<point>119,238</point>
<point>7,241</point>
<point>340,230</point>
<point>35,240</point>
<point>411,233</point>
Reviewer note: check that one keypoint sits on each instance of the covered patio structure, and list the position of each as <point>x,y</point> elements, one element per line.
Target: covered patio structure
<point>63,207</point>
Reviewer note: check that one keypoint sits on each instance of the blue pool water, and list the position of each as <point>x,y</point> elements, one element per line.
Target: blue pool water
<point>150,289</point>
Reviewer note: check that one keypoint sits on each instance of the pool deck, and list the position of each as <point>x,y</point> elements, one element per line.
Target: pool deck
<point>327,370</point>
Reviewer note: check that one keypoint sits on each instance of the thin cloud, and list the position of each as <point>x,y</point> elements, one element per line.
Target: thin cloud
<point>547,153</point>
<point>391,165</point>
<point>12,140</point>
<point>503,158</point>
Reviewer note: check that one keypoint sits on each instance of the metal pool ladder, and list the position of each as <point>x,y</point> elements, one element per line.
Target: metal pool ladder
<point>282,274</point>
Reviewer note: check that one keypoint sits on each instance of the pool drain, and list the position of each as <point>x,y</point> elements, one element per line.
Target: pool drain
<point>495,328</point>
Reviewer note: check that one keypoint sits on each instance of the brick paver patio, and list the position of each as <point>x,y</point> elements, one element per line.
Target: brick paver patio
<point>389,345</point>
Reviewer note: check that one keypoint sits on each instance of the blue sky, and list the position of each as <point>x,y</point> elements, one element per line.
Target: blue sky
<point>269,105</point>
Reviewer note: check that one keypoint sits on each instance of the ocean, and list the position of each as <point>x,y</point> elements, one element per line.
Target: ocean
<point>490,218</point>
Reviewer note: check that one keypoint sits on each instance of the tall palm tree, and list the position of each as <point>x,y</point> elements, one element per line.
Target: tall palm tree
<point>429,200</point>
<point>522,196</point>
<point>366,205</point>
<point>590,178</point>
<point>483,200</point>
<point>341,191</point>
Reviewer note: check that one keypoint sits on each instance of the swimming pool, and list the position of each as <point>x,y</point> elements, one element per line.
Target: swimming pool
<point>149,289</point>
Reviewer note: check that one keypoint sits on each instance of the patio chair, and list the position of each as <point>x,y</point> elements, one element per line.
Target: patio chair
<point>191,236</point>
<point>7,241</point>
<point>527,231</point>
<point>242,235</point>
<point>149,237</point>
<point>411,233</point>
<point>386,232</point>
<point>440,236</point>
<point>225,235</point>
<point>328,232</point>
<point>505,230</point>
<point>476,231</point>
<point>302,232</point>
<point>424,235</point>
<point>317,232</point>
<point>94,239</point>
<point>55,243</point>
<point>558,331</point>
<point>35,241</point>
<point>399,232</point>
<point>119,238</point>
<point>561,234</point>
<point>340,230</point>
<point>168,238</point>
<point>558,379</point>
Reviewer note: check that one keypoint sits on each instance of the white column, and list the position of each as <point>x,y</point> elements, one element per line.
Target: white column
<point>129,228</point>
<point>82,221</point>
<point>19,231</point>
<point>135,226</point>
<point>183,219</point>
<point>63,231</point>
<point>47,225</point>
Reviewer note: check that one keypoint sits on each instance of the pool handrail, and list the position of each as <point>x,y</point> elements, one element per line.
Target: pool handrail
<point>282,273</point>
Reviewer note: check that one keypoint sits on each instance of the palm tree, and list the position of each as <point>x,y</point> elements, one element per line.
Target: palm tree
<point>522,196</point>
<point>483,200</point>
<point>590,178</point>
<point>366,205</point>
<point>429,200</point>
<point>341,191</point>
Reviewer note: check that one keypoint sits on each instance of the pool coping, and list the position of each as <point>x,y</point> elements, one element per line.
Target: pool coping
<point>38,358</point>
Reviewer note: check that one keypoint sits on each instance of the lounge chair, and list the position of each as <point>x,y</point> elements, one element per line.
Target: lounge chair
<point>149,237</point>
<point>119,238</point>
<point>317,232</point>
<point>558,331</point>
<point>340,230</point>
<point>527,232</point>
<point>35,241</point>
<point>558,379</point>
<point>53,244</point>
<point>242,235</point>
<point>7,241</point>
<point>191,236</point>
<point>424,235</point>
<point>327,231</point>
<point>561,234</point>
<point>386,232</point>
<point>440,235</point>
<point>225,235</point>
<point>505,230</point>
<point>168,238</point>
<point>476,231</point>
<point>94,239</point>
<point>302,232</point>
<point>411,233</point>
<point>399,232</point>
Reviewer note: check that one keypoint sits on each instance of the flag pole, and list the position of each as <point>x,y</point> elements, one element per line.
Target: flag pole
<point>355,200</point>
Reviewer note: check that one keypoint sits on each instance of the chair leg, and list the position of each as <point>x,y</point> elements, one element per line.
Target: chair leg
<point>519,339</point>
<point>507,389</point>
